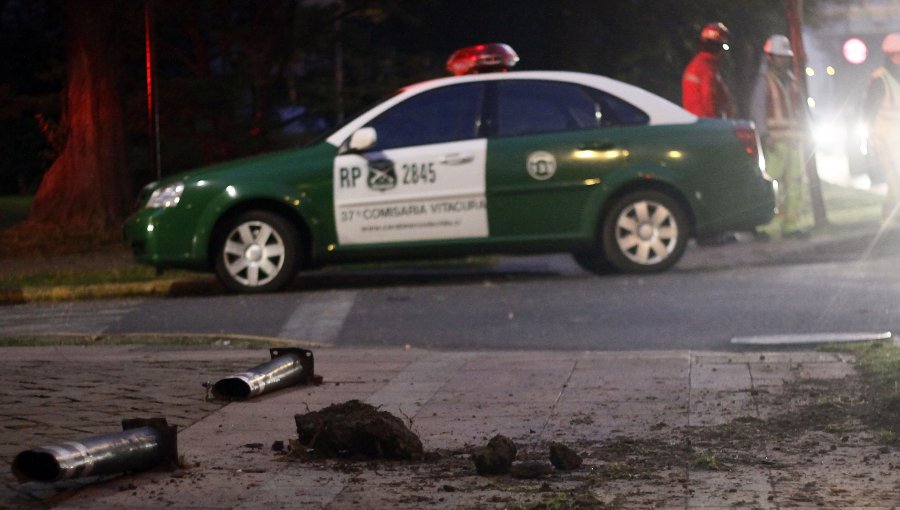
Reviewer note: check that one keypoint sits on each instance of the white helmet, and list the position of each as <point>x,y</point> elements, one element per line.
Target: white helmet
<point>778,45</point>
<point>891,43</point>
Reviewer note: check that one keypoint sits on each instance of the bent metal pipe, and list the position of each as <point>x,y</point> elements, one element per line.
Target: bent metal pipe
<point>143,444</point>
<point>289,366</point>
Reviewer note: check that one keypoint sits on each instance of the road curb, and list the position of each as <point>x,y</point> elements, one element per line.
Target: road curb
<point>108,290</point>
<point>224,340</point>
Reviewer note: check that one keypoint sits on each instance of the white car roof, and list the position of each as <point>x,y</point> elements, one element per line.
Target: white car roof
<point>660,111</point>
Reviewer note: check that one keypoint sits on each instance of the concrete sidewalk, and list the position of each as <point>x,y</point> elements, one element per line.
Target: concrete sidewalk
<point>674,429</point>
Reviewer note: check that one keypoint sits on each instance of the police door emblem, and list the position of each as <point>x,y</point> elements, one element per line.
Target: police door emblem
<point>541,165</point>
<point>382,176</point>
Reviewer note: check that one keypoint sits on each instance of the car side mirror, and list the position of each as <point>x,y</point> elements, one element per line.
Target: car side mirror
<point>362,139</point>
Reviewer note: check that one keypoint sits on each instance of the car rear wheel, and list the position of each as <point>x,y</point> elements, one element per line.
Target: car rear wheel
<point>257,252</point>
<point>644,232</point>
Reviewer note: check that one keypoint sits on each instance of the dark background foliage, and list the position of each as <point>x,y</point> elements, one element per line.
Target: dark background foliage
<point>237,77</point>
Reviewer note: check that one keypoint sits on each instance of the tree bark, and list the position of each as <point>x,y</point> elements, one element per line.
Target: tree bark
<point>88,188</point>
<point>795,24</point>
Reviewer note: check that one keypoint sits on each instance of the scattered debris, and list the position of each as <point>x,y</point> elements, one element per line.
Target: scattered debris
<point>497,457</point>
<point>564,458</point>
<point>289,366</point>
<point>355,428</point>
<point>530,470</point>
<point>143,444</point>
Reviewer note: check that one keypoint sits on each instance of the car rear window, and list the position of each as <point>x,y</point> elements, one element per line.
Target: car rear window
<point>528,107</point>
<point>617,111</point>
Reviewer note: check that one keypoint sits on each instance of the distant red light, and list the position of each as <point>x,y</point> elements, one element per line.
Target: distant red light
<point>855,50</point>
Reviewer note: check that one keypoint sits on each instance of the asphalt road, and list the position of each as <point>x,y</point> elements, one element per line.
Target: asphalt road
<point>543,302</point>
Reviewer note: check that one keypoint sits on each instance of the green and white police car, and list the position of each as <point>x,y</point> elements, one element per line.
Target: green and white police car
<point>512,163</point>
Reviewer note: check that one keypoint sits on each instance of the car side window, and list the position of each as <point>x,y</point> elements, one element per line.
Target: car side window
<point>618,112</point>
<point>527,107</point>
<point>440,115</point>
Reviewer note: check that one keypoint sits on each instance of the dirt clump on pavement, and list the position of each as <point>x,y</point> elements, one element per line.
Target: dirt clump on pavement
<point>814,424</point>
<point>564,458</point>
<point>354,429</point>
<point>496,457</point>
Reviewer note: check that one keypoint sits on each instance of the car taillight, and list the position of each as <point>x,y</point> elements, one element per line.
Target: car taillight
<point>745,132</point>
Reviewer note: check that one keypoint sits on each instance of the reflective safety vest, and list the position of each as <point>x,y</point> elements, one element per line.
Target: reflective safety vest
<point>888,115</point>
<point>781,112</point>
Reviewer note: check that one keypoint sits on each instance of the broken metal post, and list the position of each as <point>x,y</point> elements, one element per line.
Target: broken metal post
<point>143,444</point>
<point>289,366</point>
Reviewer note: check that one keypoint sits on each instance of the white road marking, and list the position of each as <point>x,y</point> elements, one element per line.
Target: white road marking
<point>813,338</point>
<point>319,316</point>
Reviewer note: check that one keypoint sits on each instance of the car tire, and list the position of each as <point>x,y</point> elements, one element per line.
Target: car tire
<point>644,232</point>
<point>257,251</point>
<point>594,261</point>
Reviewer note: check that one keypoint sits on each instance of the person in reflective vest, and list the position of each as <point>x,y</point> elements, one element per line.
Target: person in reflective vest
<point>703,92</point>
<point>882,111</point>
<point>775,107</point>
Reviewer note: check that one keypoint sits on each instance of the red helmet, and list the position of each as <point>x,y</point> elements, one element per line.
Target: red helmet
<point>891,43</point>
<point>482,58</point>
<point>715,33</point>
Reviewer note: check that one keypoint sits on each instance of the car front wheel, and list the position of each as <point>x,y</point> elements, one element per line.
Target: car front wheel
<point>644,232</point>
<point>257,252</point>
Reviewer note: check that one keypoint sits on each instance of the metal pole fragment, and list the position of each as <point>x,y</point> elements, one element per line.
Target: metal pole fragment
<point>143,444</point>
<point>289,366</point>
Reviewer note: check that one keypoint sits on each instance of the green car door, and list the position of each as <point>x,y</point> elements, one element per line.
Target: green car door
<point>547,154</point>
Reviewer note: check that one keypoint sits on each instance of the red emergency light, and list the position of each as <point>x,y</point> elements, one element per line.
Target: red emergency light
<point>855,50</point>
<point>482,58</point>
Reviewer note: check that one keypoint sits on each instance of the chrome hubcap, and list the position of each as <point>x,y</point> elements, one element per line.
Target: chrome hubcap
<point>646,232</point>
<point>254,253</point>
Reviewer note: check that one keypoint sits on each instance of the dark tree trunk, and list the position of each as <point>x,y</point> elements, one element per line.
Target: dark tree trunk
<point>88,188</point>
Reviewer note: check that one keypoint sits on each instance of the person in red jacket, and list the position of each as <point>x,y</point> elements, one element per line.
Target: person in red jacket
<point>703,91</point>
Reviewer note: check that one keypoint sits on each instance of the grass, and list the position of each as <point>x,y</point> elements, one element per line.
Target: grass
<point>76,277</point>
<point>706,461</point>
<point>13,209</point>
<point>850,206</point>
<point>879,365</point>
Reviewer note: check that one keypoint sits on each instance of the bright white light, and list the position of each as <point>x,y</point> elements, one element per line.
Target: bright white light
<point>862,131</point>
<point>830,70</point>
<point>855,50</point>
<point>810,71</point>
<point>231,191</point>
<point>828,134</point>
<point>811,102</point>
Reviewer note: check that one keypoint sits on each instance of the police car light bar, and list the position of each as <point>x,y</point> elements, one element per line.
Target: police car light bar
<point>482,58</point>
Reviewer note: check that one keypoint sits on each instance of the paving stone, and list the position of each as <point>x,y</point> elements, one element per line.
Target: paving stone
<point>454,401</point>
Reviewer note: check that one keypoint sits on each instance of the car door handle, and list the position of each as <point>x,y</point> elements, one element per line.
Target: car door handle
<point>456,159</point>
<point>598,146</point>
